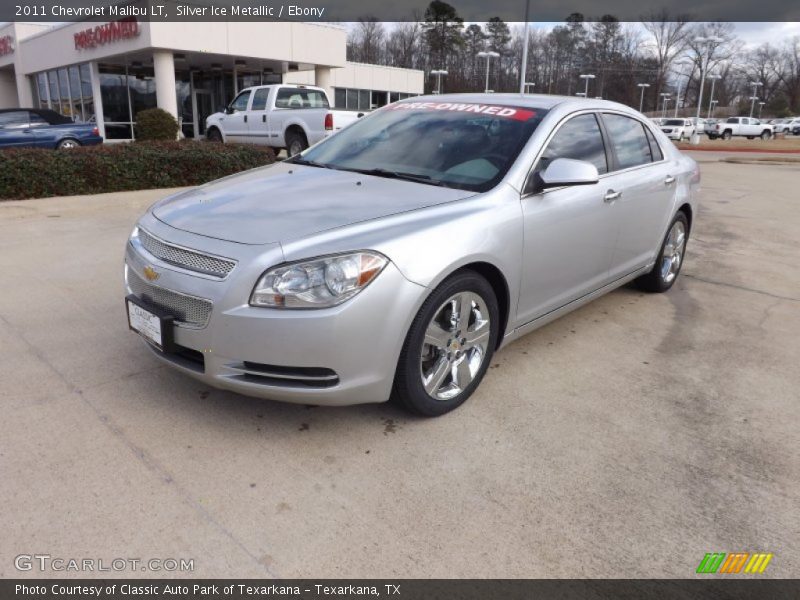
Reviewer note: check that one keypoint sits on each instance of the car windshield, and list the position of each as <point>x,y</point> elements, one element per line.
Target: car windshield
<point>460,145</point>
<point>674,122</point>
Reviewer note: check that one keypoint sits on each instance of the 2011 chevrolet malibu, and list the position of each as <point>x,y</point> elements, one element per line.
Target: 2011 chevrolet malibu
<point>393,259</point>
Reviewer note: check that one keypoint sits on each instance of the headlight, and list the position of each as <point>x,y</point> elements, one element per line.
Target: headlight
<point>317,283</point>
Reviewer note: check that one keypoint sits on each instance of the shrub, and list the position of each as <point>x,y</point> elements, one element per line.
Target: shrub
<point>37,172</point>
<point>156,124</point>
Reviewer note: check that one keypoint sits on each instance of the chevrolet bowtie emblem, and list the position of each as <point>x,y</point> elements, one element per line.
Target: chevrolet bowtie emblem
<point>150,273</point>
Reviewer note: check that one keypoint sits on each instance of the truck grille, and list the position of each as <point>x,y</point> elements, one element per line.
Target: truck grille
<point>187,310</point>
<point>188,259</point>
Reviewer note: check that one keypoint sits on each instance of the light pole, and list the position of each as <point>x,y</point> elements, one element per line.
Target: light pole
<point>704,53</point>
<point>488,56</point>
<point>760,106</point>
<point>678,94</point>
<point>524,67</point>
<point>664,99</point>
<point>711,107</point>
<point>439,73</point>
<point>753,98</point>
<point>711,100</point>
<point>586,78</point>
<point>528,84</point>
<point>641,96</point>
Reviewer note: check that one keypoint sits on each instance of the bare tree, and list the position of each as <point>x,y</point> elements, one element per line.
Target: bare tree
<point>668,39</point>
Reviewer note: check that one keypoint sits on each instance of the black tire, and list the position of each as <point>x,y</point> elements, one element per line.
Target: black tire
<point>214,135</point>
<point>655,281</point>
<point>295,143</point>
<point>751,137</point>
<point>726,135</point>
<point>68,144</point>
<point>712,137</point>
<point>408,390</point>
<point>765,135</point>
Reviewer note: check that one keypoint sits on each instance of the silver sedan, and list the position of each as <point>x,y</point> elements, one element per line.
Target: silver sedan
<point>394,258</point>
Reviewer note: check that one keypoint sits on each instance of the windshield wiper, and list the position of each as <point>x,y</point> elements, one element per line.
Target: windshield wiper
<point>309,163</point>
<point>418,178</point>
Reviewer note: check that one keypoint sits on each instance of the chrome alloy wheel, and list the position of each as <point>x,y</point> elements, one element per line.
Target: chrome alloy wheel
<point>455,345</point>
<point>672,256</point>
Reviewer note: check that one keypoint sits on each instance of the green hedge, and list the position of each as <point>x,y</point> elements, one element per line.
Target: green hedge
<point>37,173</point>
<point>156,124</point>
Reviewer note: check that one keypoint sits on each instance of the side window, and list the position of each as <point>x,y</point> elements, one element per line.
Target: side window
<point>37,120</point>
<point>240,102</point>
<point>628,140</point>
<point>16,119</point>
<point>260,99</point>
<point>655,149</point>
<point>578,139</point>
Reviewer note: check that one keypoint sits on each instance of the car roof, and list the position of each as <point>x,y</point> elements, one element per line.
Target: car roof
<point>540,101</point>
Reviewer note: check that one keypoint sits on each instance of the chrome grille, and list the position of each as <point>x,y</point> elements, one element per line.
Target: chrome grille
<point>188,259</point>
<point>187,310</point>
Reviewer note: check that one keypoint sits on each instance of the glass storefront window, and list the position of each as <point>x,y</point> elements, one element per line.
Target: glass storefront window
<point>75,93</point>
<point>142,85</point>
<point>55,98</point>
<point>340,97</point>
<point>44,96</point>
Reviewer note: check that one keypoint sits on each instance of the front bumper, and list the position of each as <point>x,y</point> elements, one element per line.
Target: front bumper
<point>334,356</point>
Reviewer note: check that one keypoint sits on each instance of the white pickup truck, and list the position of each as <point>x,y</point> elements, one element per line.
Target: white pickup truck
<point>280,116</point>
<point>741,126</point>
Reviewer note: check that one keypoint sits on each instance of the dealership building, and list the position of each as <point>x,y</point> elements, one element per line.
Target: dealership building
<point>108,72</point>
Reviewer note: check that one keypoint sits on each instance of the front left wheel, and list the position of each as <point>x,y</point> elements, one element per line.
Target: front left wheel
<point>449,346</point>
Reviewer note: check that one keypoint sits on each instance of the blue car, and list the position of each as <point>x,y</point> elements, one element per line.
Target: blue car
<point>42,128</point>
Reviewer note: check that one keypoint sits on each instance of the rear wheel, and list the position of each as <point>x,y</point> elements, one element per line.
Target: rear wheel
<point>670,257</point>
<point>67,144</point>
<point>295,143</point>
<point>448,347</point>
<point>765,135</point>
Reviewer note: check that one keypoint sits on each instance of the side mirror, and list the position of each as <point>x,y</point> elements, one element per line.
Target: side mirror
<point>566,171</point>
<point>229,110</point>
<point>222,109</point>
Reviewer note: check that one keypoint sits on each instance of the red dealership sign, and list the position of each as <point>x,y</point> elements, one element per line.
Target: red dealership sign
<point>6,45</point>
<point>109,33</point>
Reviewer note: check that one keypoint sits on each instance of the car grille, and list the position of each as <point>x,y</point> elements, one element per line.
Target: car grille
<point>188,259</point>
<point>187,310</point>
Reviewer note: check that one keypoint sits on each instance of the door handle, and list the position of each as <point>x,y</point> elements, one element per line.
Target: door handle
<point>263,118</point>
<point>669,180</point>
<point>611,195</point>
<point>245,118</point>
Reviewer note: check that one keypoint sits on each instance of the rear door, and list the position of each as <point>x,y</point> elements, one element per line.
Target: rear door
<point>15,129</point>
<point>646,183</point>
<point>258,117</point>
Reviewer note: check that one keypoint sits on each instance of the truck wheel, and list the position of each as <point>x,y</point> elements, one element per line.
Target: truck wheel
<point>214,135</point>
<point>765,135</point>
<point>726,135</point>
<point>295,143</point>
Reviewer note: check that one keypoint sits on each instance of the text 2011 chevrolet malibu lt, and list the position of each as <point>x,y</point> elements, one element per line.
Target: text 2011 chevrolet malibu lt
<point>393,259</point>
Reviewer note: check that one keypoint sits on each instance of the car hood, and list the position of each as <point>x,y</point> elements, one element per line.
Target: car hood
<point>287,201</point>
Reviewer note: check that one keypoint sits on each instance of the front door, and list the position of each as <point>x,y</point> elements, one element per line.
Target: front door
<point>234,123</point>
<point>15,129</point>
<point>569,232</point>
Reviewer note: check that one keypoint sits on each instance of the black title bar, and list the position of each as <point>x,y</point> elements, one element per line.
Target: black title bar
<point>392,11</point>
